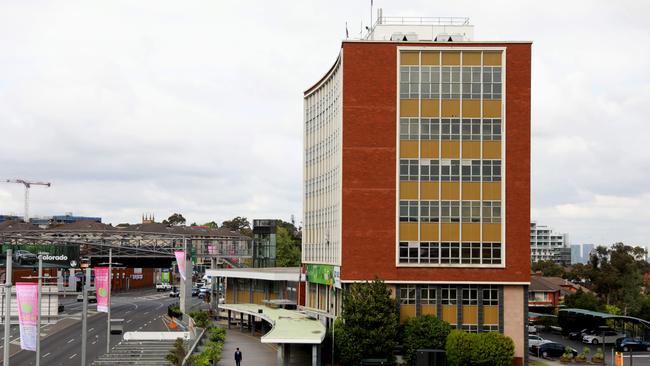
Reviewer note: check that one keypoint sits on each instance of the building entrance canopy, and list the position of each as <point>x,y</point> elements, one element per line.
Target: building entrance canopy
<point>289,326</point>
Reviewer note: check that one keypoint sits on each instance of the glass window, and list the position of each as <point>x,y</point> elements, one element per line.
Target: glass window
<point>430,128</point>
<point>490,295</point>
<point>492,129</point>
<point>429,252</point>
<point>492,211</point>
<point>471,170</point>
<point>450,76</point>
<point>429,170</point>
<point>492,82</point>
<point>449,170</point>
<point>491,170</point>
<point>471,211</point>
<point>408,128</point>
<point>408,169</point>
<point>430,82</point>
<point>470,295</point>
<point>428,295</point>
<point>449,211</point>
<point>407,294</point>
<point>471,82</point>
<point>408,211</point>
<point>449,295</point>
<point>408,252</point>
<point>471,129</point>
<point>450,129</point>
<point>429,211</point>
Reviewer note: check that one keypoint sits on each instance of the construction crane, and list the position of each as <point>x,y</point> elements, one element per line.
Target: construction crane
<point>27,185</point>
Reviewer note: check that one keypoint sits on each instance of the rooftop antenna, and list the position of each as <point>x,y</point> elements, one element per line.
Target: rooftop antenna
<point>371,13</point>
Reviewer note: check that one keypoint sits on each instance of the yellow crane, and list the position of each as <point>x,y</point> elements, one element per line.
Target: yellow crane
<point>28,185</point>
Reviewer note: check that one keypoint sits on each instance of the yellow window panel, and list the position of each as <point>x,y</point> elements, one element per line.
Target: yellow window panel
<point>450,232</point>
<point>409,58</point>
<point>429,190</point>
<point>472,108</point>
<point>471,149</point>
<point>492,191</point>
<point>430,58</point>
<point>429,309</point>
<point>491,149</point>
<point>450,149</point>
<point>408,231</point>
<point>408,107</point>
<point>490,314</point>
<point>470,314</point>
<point>450,190</point>
<point>429,149</point>
<point>491,108</point>
<point>451,58</point>
<point>471,191</point>
<point>491,232</point>
<point>430,108</point>
<point>408,190</point>
<point>472,58</point>
<point>451,108</point>
<point>449,314</point>
<point>428,231</point>
<point>406,311</point>
<point>471,232</point>
<point>408,149</point>
<point>492,58</point>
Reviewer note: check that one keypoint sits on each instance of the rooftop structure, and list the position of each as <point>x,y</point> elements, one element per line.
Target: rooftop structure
<point>431,29</point>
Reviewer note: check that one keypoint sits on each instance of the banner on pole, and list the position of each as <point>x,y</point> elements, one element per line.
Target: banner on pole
<point>102,278</point>
<point>27,301</point>
<point>180,258</point>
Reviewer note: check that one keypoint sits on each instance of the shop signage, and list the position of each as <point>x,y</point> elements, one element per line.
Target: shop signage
<point>320,273</point>
<point>27,298</point>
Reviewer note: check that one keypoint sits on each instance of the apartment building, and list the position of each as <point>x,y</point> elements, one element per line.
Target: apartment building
<point>548,245</point>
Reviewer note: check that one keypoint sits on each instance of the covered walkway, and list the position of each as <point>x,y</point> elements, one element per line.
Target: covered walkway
<point>288,327</point>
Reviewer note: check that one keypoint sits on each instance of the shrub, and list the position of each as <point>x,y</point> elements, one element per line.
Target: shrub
<point>424,332</point>
<point>459,347</point>
<point>201,318</point>
<point>177,354</point>
<point>493,349</point>
<point>216,334</point>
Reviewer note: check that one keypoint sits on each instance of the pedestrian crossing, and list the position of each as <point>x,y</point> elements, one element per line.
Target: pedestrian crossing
<point>153,297</point>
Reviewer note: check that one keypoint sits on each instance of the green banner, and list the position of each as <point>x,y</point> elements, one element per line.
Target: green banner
<point>320,273</point>
<point>164,277</point>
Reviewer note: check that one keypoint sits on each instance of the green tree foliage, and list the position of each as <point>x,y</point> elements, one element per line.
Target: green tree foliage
<point>479,349</point>
<point>424,332</point>
<point>548,268</point>
<point>240,224</point>
<point>582,300</point>
<point>211,225</point>
<point>287,248</point>
<point>177,354</point>
<point>369,324</point>
<point>175,220</point>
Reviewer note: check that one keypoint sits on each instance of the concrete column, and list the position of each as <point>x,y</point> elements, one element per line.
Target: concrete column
<point>251,323</point>
<point>229,314</point>
<point>280,355</point>
<point>315,354</point>
<point>241,321</point>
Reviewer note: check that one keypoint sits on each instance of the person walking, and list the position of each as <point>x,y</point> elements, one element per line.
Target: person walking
<point>238,357</point>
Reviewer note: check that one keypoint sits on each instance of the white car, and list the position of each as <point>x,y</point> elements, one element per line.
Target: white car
<point>607,336</point>
<point>535,340</point>
<point>532,329</point>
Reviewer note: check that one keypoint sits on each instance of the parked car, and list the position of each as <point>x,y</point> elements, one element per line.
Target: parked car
<point>175,293</point>
<point>532,329</point>
<point>550,349</point>
<point>92,298</point>
<point>627,344</point>
<point>608,336</point>
<point>25,257</point>
<point>163,287</point>
<point>195,291</point>
<point>535,340</point>
<point>577,335</point>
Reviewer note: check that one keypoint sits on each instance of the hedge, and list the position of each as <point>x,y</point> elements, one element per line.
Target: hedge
<point>479,349</point>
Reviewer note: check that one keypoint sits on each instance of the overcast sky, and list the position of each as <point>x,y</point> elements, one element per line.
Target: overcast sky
<point>132,107</point>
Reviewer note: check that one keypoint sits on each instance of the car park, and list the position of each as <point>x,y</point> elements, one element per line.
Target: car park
<point>550,349</point>
<point>628,344</point>
<point>577,335</point>
<point>608,336</point>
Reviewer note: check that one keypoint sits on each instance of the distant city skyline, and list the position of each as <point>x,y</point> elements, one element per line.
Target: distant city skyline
<point>150,107</point>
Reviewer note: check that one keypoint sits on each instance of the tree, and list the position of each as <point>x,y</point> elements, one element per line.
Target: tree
<point>211,225</point>
<point>287,249</point>
<point>582,300</point>
<point>240,224</point>
<point>424,332</point>
<point>369,323</point>
<point>548,268</point>
<point>175,220</point>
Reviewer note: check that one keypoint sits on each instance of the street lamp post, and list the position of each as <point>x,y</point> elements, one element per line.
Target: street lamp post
<point>8,271</point>
<point>110,280</point>
<point>84,318</point>
<point>38,321</point>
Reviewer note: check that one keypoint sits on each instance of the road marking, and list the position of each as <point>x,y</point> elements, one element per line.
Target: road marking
<point>47,354</point>
<point>94,342</point>
<point>70,341</point>
<point>73,356</point>
<point>145,313</point>
<point>128,321</point>
<point>91,329</point>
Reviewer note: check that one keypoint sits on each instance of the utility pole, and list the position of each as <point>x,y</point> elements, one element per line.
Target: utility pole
<point>110,280</point>
<point>8,272</point>
<point>84,318</point>
<point>38,295</point>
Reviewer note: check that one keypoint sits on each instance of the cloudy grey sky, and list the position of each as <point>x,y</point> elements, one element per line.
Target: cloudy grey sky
<point>195,107</point>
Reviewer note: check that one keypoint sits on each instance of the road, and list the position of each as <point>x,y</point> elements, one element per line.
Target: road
<point>141,310</point>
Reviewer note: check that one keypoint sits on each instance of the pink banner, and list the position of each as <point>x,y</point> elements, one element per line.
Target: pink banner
<point>102,278</point>
<point>27,298</point>
<point>180,260</point>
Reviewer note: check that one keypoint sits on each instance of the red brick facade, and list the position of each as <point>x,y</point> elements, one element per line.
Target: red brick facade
<point>369,167</point>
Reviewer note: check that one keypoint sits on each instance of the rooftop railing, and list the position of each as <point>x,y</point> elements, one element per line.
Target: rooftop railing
<point>423,20</point>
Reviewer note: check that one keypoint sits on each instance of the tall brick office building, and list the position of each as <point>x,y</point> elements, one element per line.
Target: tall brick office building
<point>417,171</point>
